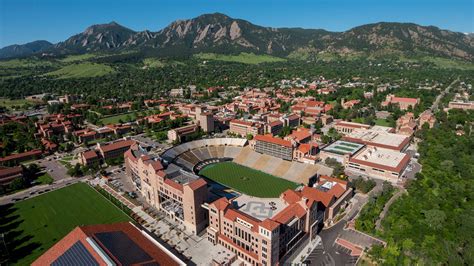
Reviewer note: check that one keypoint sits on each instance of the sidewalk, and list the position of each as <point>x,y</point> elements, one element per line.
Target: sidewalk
<point>305,251</point>
<point>157,223</point>
<point>34,191</point>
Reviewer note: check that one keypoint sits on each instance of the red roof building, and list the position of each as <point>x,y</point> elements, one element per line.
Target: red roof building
<point>109,244</point>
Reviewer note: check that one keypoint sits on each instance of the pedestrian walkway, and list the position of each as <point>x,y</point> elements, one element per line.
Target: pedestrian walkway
<point>159,224</point>
<point>378,223</point>
<point>305,250</point>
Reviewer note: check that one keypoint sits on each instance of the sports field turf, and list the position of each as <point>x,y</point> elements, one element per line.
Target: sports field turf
<point>247,180</point>
<point>32,226</point>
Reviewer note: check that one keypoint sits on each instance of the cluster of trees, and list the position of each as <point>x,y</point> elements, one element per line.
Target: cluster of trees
<point>18,137</point>
<point>331,136</point>
<point>363,185</point>
<point>369,214</point>
<point>338,168</point>
<point>130,81</point>
<point>30,174</point>
<point>434,223</point>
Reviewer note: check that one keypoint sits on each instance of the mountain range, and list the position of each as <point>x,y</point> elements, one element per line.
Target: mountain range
<point>218,33</point>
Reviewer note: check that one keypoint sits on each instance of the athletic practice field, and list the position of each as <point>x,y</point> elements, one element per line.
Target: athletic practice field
<point>32,226</point>
<point>247,180</point>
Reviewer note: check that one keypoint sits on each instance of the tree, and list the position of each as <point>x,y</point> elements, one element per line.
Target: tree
<point>75,171</point>
<point>18,183</point>
<point>338,169</point>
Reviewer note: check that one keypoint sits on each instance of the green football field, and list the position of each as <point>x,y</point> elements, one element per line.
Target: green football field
<point>32,226</point>
<point>247,180</point>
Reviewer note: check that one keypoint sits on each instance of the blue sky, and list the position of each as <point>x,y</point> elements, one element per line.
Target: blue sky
<point>23,21</point>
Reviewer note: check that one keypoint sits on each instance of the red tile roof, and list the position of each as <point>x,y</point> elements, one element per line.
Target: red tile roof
<point>89,155</point>
<point>404,99</point>
<point>158,254</point>
<point>301,134</point>
<point>197,184</point>
<point>117,145</point>
<point>269,224</point>
<point>9,171</point>
<point>270,139</point>
<point>174,185</point>
<point>221,204</point>
<point>289,213</point>
<point>21,155</point>
<point>241,122</point>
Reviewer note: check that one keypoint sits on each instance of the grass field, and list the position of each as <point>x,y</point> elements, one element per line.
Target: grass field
<point>245,58</point>
<point>441,62</point>
<point>14,104</point>
<point>15,63</point>
<point>247,180</point>
<point>45,179</point>
<point>115,118</point>
<point>153,62</point>
<point>33,226</point>
<point>82,70</point>
<point>382,122</point>
<point>76,58</point>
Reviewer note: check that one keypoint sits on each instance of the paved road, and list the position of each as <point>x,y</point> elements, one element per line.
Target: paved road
<point>328,253</point>
<point>143,139</point>
<point>54,168</point>
<point>435,105</point>
<point>38,190</point>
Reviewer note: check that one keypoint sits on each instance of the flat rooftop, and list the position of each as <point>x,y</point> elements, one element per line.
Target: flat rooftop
<point>179,176</point>
<point>259,208</point>
<point>382,128</point>
<point>382,157</point>
<point>343,147</point>
<point>378,137</point>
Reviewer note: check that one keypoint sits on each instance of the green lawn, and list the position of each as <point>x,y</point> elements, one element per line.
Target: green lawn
<point>33,226</point>
<point>82,70</point>
<point>75,58</point>
<point>382,122</point>
<point>246,58</point>
<point>45,179</point>
<point>114,119</point>
<point>247,180</point>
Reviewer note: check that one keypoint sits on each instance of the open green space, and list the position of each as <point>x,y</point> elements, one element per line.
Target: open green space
<point>32,226</point>
<point>153,62</point>
<point>14,104</point>
<point>382,122</point>
<point>245,58</point>
<point>247,180</point>
<point>440,62</point>
<point>24,63</point>
<point>81,70</point>
<point>45,179</point>
<point>114,119</point>
<point>76,58</point>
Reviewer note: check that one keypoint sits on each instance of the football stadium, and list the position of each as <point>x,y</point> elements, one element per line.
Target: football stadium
<point>232,163</point>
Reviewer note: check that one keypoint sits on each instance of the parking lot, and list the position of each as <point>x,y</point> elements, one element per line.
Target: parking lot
<point>148,142</point>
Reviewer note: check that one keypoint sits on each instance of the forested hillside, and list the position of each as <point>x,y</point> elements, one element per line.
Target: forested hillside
<point>434,223</point>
